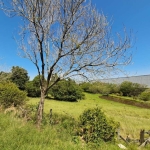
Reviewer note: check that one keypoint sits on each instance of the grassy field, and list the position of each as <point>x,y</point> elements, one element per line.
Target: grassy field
<point>16,134</point>
<point>132,119</point>
<point>19,135</point>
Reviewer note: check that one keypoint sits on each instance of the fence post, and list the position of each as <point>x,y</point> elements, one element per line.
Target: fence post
<point>142,136</point>
<point>50,116</point>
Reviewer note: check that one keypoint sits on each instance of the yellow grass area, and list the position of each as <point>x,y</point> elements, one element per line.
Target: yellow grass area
<point>132,119</point>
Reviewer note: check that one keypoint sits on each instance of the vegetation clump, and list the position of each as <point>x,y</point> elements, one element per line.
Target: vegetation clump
<point>145,96</point>
<point>67,90</point>
<point>95,127</point>
<point>33,87</point>
<point>99,88</point>
<point>10,94</point>
<point>131,89</point>
<point>19,76</point>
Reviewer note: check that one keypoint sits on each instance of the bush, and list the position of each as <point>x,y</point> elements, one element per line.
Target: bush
<point>67,90</point>
<point>131,89</point>
<point>10,94</point>
<point>5,76</point>
<point>145,96</point>
<point>94,126</point>
<point>85,86</point>
<point>126,88</point>
<point>114,88</point>
<point>99,87</point>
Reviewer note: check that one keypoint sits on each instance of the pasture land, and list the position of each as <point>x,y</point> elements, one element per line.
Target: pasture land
<point>132,119</point>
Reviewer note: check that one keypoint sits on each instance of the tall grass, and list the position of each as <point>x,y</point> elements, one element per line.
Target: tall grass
<point>19,135</point>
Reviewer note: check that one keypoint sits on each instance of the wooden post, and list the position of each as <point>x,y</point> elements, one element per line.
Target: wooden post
<point>50,116</point>
<point>142,136</point>
<point>145,143</point>
<point>118,133</point>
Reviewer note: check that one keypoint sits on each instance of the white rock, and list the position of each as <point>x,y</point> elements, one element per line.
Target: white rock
<point>122,146</point>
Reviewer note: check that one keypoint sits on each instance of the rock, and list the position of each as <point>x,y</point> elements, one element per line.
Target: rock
<point>122,146</point>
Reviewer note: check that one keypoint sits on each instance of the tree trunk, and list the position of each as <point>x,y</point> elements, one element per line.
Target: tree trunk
<point>40,109</point>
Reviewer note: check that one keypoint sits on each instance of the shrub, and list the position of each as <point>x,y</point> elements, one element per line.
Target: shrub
<point>10,94</point>
<point>114,88</point>
<point>145,96</point>
<point>95,88</point>
<point>131,89</point>
<point>85,86</point>
<point>126,88</point>
<point>99,87</point>
<point>67,90</point>
<point>94,126</point>
<point>5,76</point>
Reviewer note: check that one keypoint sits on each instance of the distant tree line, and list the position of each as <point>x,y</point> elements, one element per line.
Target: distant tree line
<point>66,90</point>
<point>126,88</point>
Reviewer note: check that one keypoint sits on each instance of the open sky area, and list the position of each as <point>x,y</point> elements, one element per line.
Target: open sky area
<point>132,14</point>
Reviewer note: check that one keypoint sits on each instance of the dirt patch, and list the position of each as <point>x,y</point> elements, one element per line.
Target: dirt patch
<point>126,101</point>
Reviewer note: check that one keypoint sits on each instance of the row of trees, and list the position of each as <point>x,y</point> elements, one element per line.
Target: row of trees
<point>66,90</point>
<point>126,88</point>
<point>69,90</point>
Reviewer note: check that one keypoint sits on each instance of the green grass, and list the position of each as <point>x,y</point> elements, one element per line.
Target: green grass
<point>132,119</point>
<point>18,135</point>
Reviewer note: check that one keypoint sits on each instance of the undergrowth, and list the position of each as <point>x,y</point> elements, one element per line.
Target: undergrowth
<point>16,134</point>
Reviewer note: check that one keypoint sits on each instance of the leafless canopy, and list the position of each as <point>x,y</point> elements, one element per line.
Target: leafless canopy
<point>68,38</point>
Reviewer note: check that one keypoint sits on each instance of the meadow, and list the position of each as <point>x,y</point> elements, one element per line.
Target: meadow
<point>132,119</point>
<point>17,134</point>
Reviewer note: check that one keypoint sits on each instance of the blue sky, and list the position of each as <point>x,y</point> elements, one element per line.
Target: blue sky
<point>133,14</point>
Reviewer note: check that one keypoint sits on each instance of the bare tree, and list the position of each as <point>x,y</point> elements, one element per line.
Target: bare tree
<point>66,38</point>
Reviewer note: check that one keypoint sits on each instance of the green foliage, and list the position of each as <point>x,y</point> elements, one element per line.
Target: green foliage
<point>96,87</point>
<point>10,94</point>
<point>114,88</point>
<point>85,86</point>
<point>95,127</point>
<point>126,88</point>
<point>130,122</point>
<point>137,89</point>
<point>19,76</point>
<point>99,87</point>
<point>5,76</point>
<point>67,90</point>
<point>33,87</point>
<point>36,81</point>
<point>19,135</point>
<point>131,89</point>
<point>32,90</point>
<point>145,96</point>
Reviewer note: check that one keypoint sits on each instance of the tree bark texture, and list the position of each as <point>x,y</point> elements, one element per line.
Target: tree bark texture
<point>40,109</point>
